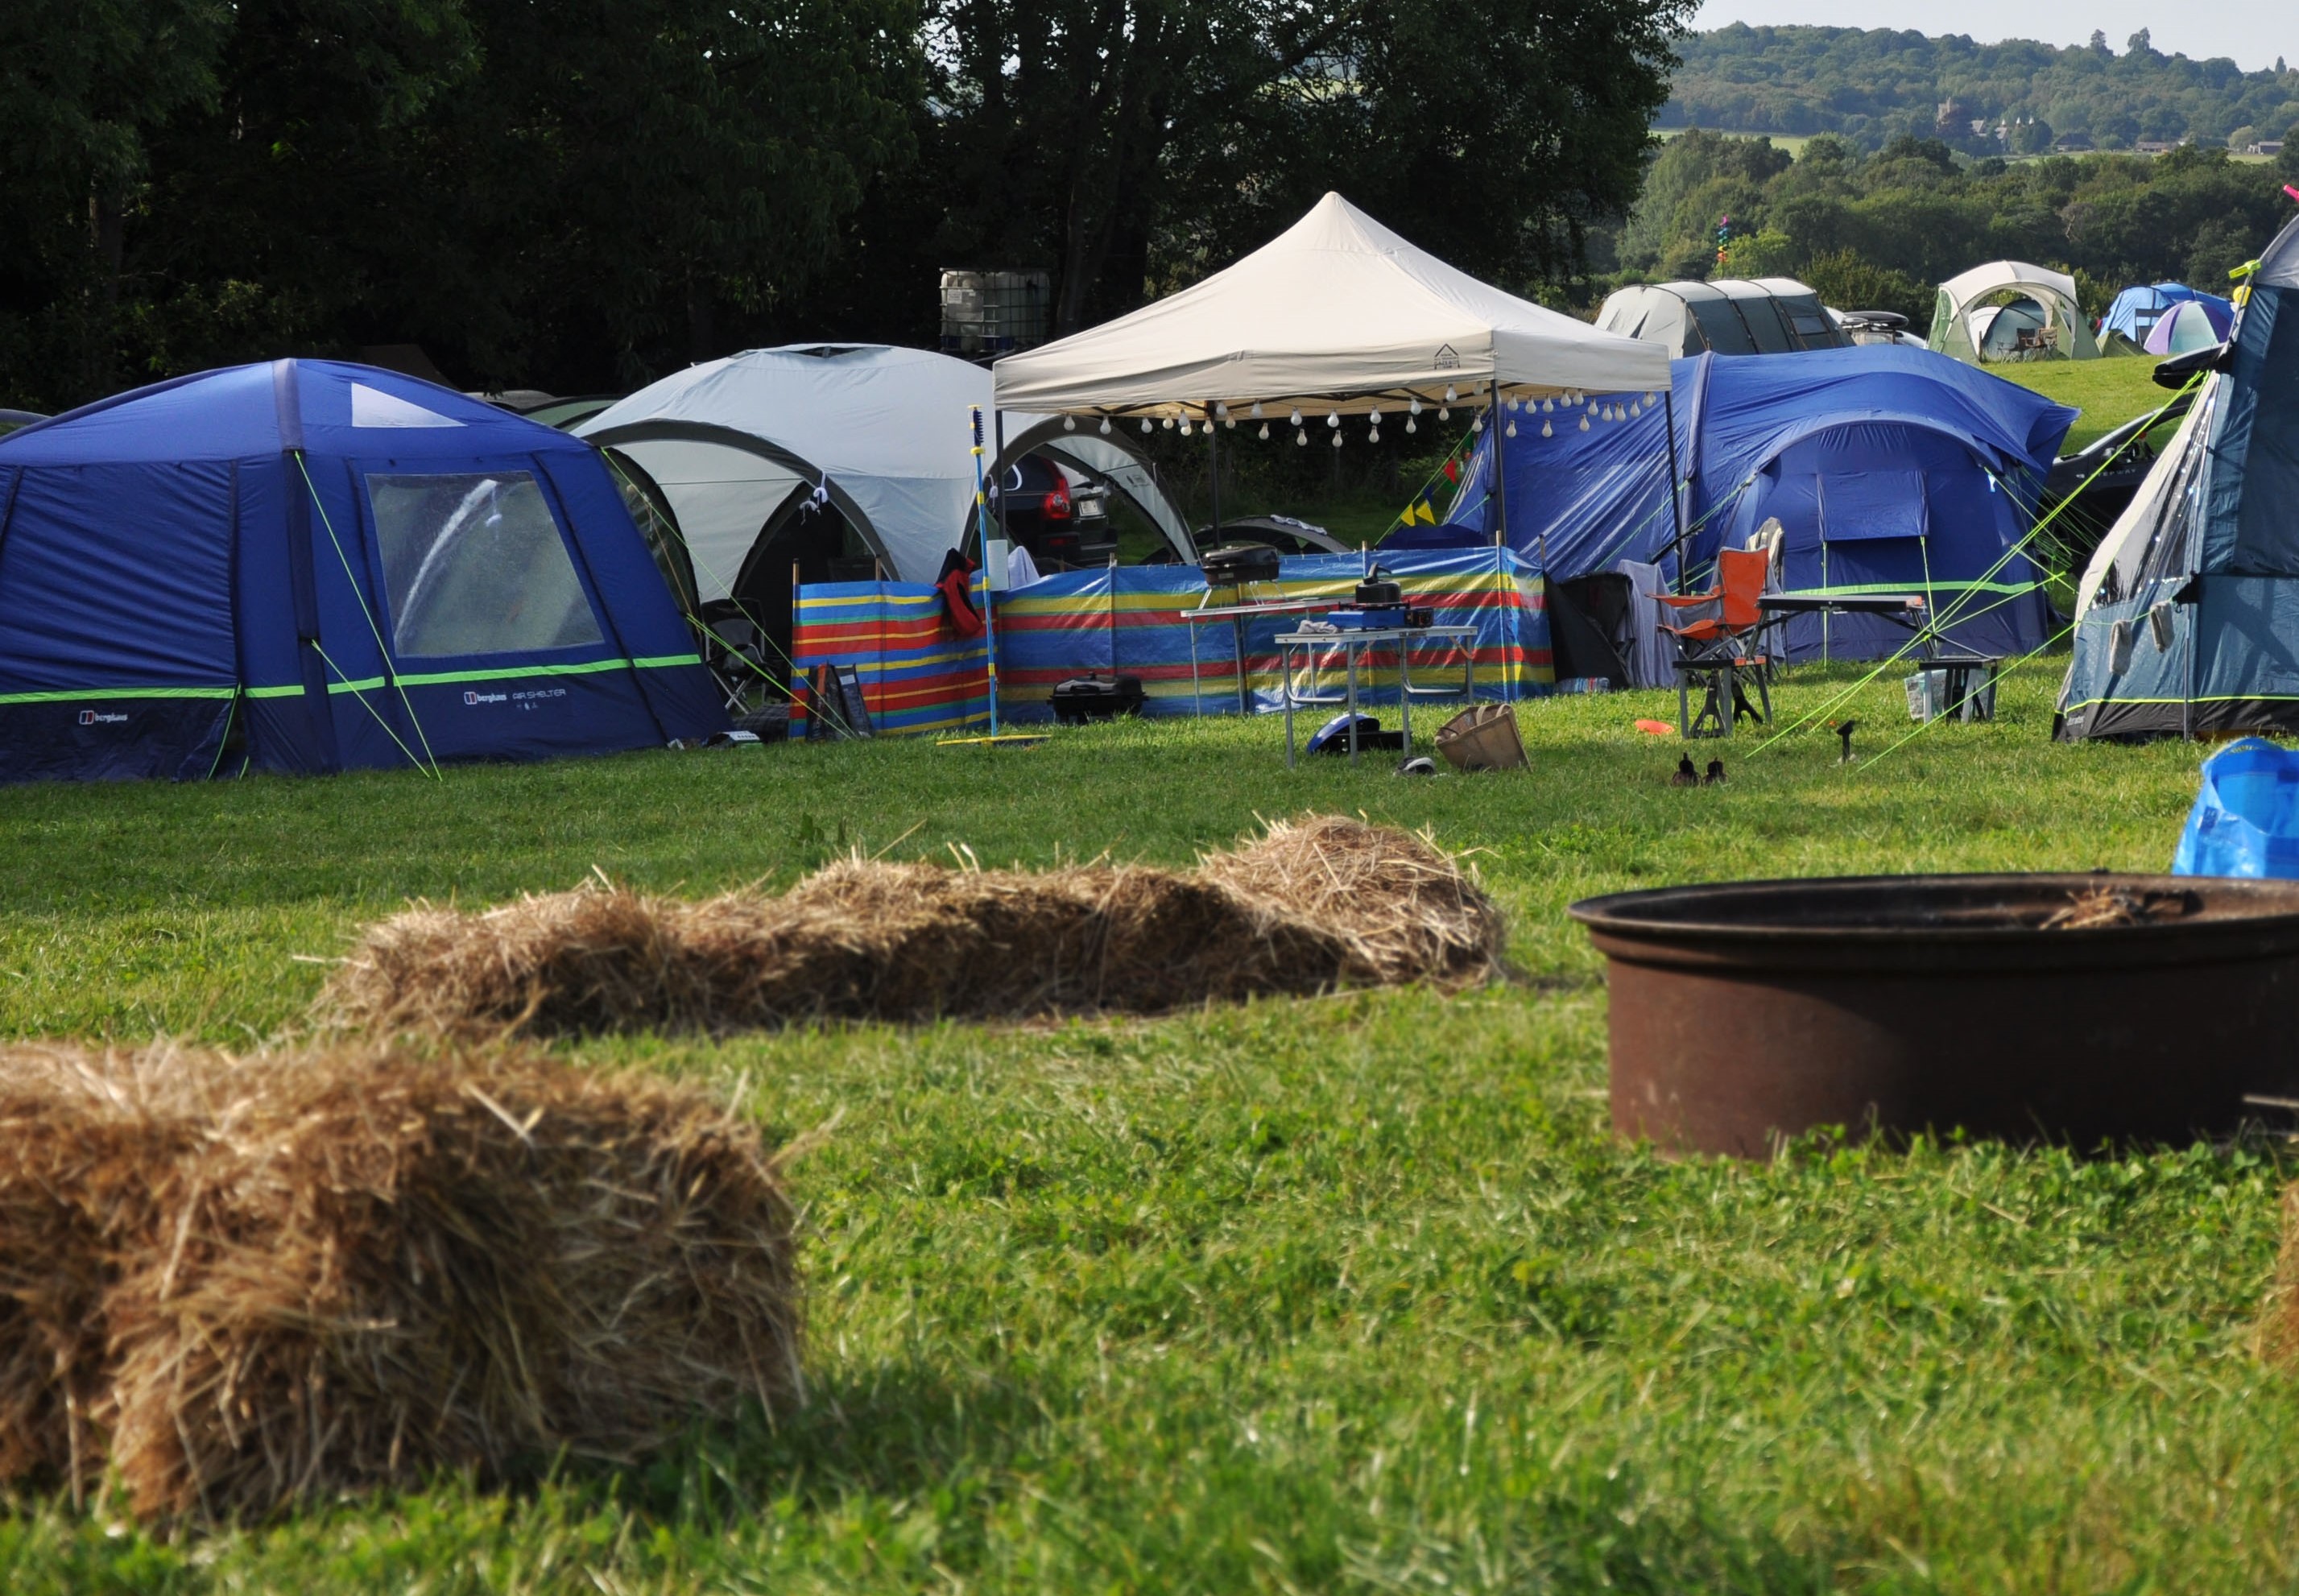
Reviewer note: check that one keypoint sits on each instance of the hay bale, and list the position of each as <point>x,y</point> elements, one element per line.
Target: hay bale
<point>1311,906</point>
<point>90,1144</point>
<point>393,1265</point>
<point>2278,1327</point>
<point>292,1275</point>
<point>1404,911</point>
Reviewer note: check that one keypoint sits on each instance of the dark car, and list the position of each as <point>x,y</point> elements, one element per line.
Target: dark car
<point>1060,522</point>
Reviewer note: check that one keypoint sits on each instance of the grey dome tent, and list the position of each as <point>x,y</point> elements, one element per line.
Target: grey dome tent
<point>2187,618</point>
<point>880,433</point>
<point>1763,315</point>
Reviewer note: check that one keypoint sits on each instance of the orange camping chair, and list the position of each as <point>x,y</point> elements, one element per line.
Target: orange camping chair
<point>1719,642</point>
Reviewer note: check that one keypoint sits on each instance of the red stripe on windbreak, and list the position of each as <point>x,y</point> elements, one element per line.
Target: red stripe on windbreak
<point>928,691</point>
<point>892,635</point>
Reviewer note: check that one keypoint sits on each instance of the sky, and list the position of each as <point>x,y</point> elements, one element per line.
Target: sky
<point>2253,32</point>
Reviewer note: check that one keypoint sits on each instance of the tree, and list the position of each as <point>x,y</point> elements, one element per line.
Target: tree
<point>572,194</point>
<point>1846,281</point>
<point>84,85</point>
<point>1127,144</point>
<point>653,171</point>
<point>2033,137</point>
<point>1695,179</point>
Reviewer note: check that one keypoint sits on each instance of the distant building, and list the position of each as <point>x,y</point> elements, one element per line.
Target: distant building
<point>2073,144</point>
<point>2265,147</point>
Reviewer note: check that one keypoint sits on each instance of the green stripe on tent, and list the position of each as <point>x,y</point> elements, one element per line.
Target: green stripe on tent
<point>517,672</point>
<point>364,684</point>
<point>2009,588</point>
<point>2213,698</point>
<point>76,694</point>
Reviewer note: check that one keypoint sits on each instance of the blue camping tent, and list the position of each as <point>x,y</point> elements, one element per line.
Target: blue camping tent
<point>2135,311</point>
<point>1890,467</point>
<point>306,566</point>
<point>2187,618</point>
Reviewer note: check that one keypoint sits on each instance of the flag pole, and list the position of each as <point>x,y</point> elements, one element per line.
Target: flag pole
<point>982,526</point>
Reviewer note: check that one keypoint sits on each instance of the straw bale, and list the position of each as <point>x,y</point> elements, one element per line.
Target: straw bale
<point>2278,1328</point>
<point>89,1143</point>
<point>1311,906</point>
<point>255,1282</point>
<point>393,1265</point>
<point>1405,910</point>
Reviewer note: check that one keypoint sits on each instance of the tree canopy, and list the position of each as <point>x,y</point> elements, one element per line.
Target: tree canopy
<point>1873,84</point>
<point>1879,231</point>
<point>581,196</point>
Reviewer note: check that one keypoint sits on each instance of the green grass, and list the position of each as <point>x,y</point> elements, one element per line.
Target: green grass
<point>2109,391</point>
<point>1353,1295</point>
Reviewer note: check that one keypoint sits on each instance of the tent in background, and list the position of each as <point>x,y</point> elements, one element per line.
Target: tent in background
<point>2134,313</point>
<point>2187,618</point>
<point>2197,324</point>
<point>1763,315</point>
<point>743,446</point>
<point>308,566</point>
<point>1889,468</point>
<point>2049,324</point>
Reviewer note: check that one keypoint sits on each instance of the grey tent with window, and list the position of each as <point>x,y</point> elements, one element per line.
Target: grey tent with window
<point>1763,315</point>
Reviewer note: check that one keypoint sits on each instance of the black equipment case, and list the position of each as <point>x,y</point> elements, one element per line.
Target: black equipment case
<point>1238,565</point>
<point>1085,698</point>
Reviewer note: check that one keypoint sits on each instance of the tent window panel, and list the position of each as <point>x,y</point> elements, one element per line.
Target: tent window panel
<point>1858,506</point>
<point>1721,327</point>
<point>474,564</point>
<point>1809,323</point>
<point>1765,326</point>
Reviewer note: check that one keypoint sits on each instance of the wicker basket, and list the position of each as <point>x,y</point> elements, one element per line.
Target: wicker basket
<point>1482,738</point>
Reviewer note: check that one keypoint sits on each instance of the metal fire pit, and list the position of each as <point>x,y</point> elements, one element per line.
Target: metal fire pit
<point>1745,1010</point>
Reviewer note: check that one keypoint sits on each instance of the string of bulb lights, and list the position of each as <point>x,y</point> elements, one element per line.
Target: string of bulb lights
<point>1588,409</point>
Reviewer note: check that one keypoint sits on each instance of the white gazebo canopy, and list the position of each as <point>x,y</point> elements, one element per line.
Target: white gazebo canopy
<point>1337,314</point>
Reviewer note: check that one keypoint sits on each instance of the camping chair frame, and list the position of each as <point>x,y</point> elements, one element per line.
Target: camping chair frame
<point>1719,643</point>
<point>735,650</point>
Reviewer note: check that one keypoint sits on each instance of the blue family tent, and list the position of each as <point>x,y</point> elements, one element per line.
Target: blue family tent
<point>2134,313</point>
<point>308,566</point>
<point>2187,618</point>
<point>1887,468</point>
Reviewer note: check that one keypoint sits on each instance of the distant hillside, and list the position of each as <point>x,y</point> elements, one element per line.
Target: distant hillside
<point>1872,86</point>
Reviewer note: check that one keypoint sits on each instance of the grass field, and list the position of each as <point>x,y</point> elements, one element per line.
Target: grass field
<point>2109,392</point>
<point>1352,1294</point>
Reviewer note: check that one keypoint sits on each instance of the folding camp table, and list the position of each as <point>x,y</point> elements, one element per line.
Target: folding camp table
<point>1210,615</point>
<point>1902,608</point>
<point>1354,643</point>
<point>1971,678</point>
